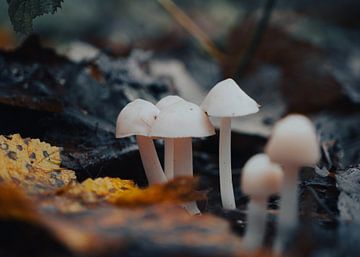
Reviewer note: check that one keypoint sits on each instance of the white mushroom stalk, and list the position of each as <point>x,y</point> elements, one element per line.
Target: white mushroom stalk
<point>136,118</point>
<point>226,100</point>
<point>168,142</point>
<point>181,121</point>
<point>293,144</point>
<point>183,166</point>
<point>150,160</point>
<point>169,158</point>
<point>260,179</point>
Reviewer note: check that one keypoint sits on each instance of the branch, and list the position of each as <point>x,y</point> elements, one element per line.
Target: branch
<point>193,29</point>
<point>257,36</point>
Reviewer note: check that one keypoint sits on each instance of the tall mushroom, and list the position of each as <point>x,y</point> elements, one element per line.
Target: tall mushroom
<point>182,121</point>
<point>168,142</point>
<point>260,179</point>
<point>293,144</point>
<point>226,100</point>
<point>136,118</point>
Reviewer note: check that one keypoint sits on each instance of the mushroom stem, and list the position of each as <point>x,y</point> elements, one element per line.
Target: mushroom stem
<point>183,165</point>
<point>226,186</point>
<point>150,160</point>
<point>288,213</point>
<point>169,158</point>
<point>256,224</point>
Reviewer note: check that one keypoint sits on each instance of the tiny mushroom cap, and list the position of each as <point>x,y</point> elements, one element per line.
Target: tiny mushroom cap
<point>226,99</point>
<point>294,142</point>
<point>261,177</point>
<point>136,118</point>
<point>182,119</point>
<point>168,100</point>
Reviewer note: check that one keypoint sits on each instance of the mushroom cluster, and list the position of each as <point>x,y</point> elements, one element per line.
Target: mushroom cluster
<point>292,145</point>
<point>177,121</point>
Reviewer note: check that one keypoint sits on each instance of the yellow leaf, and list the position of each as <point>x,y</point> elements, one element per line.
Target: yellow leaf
<point>126,193</point>
<point>32,164</point>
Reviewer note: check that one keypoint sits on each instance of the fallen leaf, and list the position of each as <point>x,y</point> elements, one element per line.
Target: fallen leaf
<point>108,229</point>
<point>32,164</point>
<point>126,193</point>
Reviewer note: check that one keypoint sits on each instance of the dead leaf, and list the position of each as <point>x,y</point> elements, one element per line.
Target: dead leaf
<point>32,164</point>
<point>126,193</point>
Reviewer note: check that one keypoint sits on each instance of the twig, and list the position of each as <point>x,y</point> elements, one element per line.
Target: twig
<point>193,29</point>
<point>257,36</point>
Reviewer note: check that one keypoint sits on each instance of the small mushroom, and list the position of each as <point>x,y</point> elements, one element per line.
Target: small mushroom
<point>181,121</point>
<point>293,144</point>
<point>136,118</point>
<point>168,142</point>
<point>227,100</point>
<point>260,179</point>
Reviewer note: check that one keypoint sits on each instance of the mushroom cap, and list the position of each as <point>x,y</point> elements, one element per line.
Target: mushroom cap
<point>168,100</point>
<point>136,118</point>
<point>182,119</point>
<point>260,177</point>
<point>293,142</point>
<point>226,99</point>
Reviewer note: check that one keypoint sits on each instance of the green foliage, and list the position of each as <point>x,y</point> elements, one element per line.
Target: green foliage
<point>22,12</point>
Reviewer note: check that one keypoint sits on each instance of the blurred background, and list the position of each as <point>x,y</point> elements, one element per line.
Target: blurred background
<point>290,56</point>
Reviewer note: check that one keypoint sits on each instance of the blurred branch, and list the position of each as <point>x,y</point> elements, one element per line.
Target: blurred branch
<point>193,29</point>
<point>255,39</point>
<point>256,36</point>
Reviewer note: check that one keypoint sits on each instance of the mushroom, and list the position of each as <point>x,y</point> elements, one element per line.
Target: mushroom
<point>168,142</point>
<point>227,100</point>
<point>181,121</point>
<point>260,179</point>
<point>293,144</point>
<point>136,118</point>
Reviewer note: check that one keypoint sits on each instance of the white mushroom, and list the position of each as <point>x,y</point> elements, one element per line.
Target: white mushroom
<point>167,101</point>
<point>168,142</point>
<point>260,179</point>
<point>293,144</point>
<point>136,118</point>
<point>182,121</point>
<point>227,100</point>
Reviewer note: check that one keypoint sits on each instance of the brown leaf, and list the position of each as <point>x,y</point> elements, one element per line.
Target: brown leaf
<point>125,193</point>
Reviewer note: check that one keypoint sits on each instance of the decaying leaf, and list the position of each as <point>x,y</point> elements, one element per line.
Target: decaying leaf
<point>88,217</point>
<point>32,164</point>
<point>126,193</point>
<point>35,166</point>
